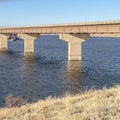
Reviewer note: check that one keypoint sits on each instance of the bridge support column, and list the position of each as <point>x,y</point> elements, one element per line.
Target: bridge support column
<point>74,51</point>
<point>74,45</point>
<point>3,41</point>
<point>29,42</point>
<point>29,45</point>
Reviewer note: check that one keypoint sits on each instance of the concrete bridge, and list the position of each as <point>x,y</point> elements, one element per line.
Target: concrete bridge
<point>74,34</point>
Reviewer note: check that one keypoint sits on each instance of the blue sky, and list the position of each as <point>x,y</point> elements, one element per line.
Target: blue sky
<point>36,12</point>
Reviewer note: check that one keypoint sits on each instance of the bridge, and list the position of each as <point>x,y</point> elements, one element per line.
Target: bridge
<point>74,34</point>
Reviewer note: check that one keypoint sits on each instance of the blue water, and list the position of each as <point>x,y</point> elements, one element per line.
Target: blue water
<point>49,73</point>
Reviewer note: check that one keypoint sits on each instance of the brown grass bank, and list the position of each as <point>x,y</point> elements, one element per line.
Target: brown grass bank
<point>92,105</point>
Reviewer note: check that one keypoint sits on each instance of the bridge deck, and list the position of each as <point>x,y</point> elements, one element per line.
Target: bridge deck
<point>110,27</point>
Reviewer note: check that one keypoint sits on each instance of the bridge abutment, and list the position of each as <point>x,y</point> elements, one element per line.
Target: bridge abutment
<point>29,41</point>
<point>74,45</point>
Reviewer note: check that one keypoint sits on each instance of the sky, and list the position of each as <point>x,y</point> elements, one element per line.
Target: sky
<point>39,12</point>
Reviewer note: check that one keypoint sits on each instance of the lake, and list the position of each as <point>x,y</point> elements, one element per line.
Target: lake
<point>49,73</point>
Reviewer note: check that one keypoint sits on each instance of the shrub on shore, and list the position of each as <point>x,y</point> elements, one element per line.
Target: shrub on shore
<point>12,101</point>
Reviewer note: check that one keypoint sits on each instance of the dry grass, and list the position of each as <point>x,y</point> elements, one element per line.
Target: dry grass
<point>92,105</point>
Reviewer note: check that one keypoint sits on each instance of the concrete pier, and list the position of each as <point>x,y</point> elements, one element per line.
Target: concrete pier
<point>3,41</point>
<point>74,45</point>
<point>29,42</point>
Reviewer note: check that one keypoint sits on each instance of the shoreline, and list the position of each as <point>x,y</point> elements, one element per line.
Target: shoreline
<point>91,105</point>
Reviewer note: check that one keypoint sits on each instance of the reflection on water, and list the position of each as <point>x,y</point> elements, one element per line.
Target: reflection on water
<point>74,75</point>
<point>29,56</point>
<point>74,66</point>
<point>4,51</point>
<point>74,70</point>
<point>49,73</point>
